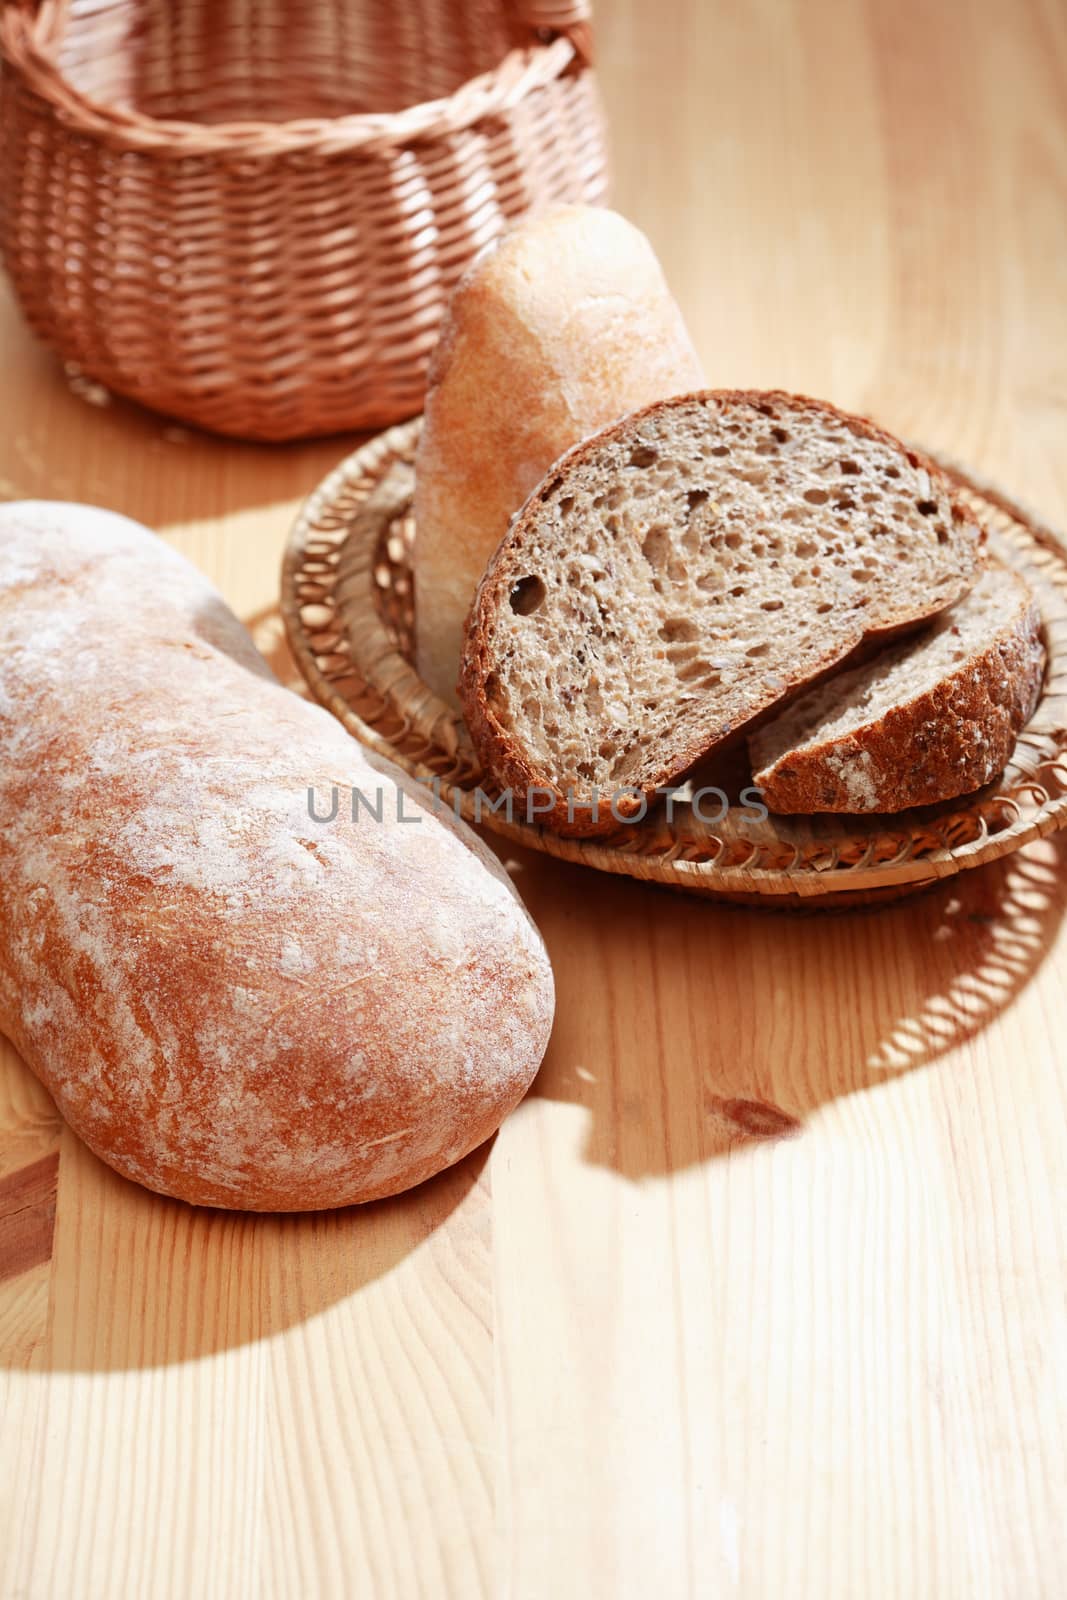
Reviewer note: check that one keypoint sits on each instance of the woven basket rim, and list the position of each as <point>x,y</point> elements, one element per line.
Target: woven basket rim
<point>398,717</point>
<point>27,41</point>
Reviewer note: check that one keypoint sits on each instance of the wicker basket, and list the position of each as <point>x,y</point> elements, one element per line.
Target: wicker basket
<point>249,214</point>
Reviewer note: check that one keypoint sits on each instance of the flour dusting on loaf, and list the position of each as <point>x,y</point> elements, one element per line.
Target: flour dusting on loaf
<point>231,1002</point>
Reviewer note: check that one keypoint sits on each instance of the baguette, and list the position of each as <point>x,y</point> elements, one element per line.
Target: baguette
<point>563,326</point>
<point>682,572</point>
<point>928,719</point>
<point>230,1002</point>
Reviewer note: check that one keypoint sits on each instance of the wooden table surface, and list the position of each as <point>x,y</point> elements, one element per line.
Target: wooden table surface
<point>642,1345</point>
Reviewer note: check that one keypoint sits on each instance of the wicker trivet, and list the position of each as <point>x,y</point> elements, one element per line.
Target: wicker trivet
<point>347,603</point>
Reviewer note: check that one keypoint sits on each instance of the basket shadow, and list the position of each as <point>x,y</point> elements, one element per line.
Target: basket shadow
<point>718,1026</point>
<point>70,439</point>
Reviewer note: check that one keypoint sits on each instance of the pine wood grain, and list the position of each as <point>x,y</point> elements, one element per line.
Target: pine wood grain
<point>760,1292</point>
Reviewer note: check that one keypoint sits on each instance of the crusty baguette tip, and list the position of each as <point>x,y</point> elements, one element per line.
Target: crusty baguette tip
<point>564,325</point>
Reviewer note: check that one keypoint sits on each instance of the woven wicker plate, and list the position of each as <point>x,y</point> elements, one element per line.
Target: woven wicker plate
<point>347,604</point>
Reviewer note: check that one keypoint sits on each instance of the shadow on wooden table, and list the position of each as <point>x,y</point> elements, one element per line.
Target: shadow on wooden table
<point>69,439</point>
<point>687,1029</point>
<point>130,1279</point>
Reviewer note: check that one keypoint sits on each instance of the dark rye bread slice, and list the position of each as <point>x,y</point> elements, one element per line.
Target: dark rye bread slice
<point>684,570</point>
<point>931,717</point>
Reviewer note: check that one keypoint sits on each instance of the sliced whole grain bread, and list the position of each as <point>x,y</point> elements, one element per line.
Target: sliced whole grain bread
<point>929,718</point>
<point>681,572</point>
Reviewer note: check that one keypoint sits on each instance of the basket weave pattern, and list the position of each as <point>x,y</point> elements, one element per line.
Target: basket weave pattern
<point>347,605</point>
<point>249,215</point>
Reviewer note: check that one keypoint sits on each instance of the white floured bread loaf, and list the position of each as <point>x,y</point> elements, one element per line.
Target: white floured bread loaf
<point>230,1002</point>
<point>927,719</point>
<point>682,572</point>
<point>563,326</point>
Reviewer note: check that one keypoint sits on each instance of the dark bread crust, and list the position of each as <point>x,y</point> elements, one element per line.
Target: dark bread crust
<point>501,753</point>
<point>945,742</point>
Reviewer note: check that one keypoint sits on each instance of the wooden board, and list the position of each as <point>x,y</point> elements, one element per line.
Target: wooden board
<point>760,1293</point>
